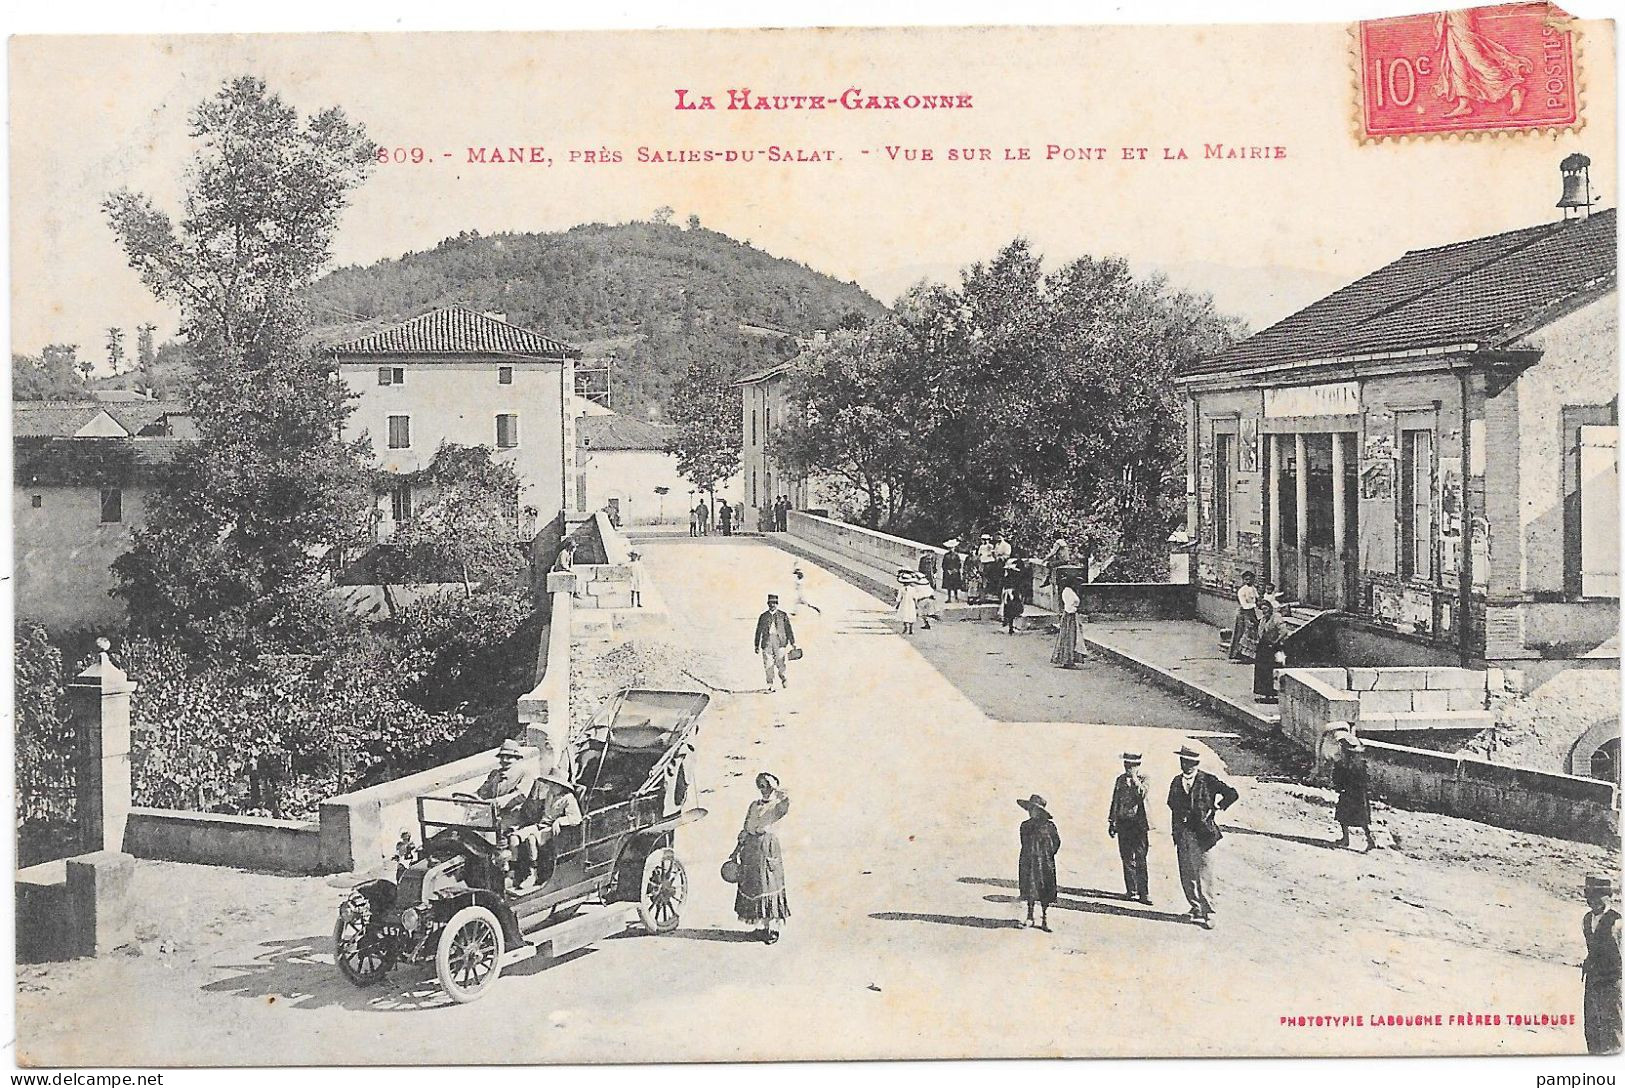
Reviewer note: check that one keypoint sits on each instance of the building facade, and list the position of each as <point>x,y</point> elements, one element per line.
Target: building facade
<point>622,465</point>
<point>471,379</point>
<point>765,401</point>
<point>82,479</point>
<point>1430,451</point>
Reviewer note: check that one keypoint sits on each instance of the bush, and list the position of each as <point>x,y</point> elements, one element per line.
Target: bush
<point>45,744</point>
<point>464,650</point>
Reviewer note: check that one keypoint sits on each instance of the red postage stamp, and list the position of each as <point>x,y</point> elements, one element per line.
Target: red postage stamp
<point>1490,69</point>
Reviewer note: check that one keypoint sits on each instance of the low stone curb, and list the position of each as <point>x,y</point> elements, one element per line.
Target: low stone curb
<point>1224,706</point>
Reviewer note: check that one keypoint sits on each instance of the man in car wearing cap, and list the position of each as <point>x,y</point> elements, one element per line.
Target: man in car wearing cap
<point>1127,822</point>
<point>507,787</point>
<point>1600,973</point>
<point>1195,798</point>
<point>774,637</point>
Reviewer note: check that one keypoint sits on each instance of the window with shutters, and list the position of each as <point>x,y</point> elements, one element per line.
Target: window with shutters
<point>507,431</point>
<point>400,432</point>
<point>1223,452</point>
<point>400,501</point>
<point>504,375</point>
<point>1416,528</point>
<point>112,505</point>
<point>391,375</point>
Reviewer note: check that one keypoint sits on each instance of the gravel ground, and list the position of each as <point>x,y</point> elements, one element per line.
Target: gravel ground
<point>1539,729</point>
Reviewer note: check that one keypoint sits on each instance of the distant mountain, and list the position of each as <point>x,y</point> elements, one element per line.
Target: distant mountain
<point>654,294</point>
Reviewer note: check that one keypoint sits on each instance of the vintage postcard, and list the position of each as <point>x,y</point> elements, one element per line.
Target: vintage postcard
<point>811,545</point>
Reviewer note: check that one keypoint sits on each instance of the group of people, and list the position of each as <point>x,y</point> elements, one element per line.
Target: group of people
<point>729,518</point>
<point>1256,634</point>
<point>1195,798</point>
<point>778,515</point>
<point>530,814</point>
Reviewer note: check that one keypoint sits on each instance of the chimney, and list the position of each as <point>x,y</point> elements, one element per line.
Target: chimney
<point>1576,200</point>
<point>497,315</point>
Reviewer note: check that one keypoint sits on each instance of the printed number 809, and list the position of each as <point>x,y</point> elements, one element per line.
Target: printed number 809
<point>401,154</point>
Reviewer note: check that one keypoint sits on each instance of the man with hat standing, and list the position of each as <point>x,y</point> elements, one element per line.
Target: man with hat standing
<point>774,637</point>
<point>1600,973</point>
<point>1035,870</point>
<point>1129,823</point>
<point>1195,798</point>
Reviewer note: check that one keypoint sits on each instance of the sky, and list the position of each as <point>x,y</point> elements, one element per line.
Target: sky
<point>1264,235</point>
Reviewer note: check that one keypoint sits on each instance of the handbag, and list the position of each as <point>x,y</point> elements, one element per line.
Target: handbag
<point>795,654</point>
<point>730,869</point>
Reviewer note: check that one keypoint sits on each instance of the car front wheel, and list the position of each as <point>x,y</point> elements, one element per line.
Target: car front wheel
<point>469,957</point>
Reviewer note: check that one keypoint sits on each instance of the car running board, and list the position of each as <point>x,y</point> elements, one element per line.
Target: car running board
<point>562,938</point>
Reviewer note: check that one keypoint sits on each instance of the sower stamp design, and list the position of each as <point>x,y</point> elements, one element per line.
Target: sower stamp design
<point>1492,69</point>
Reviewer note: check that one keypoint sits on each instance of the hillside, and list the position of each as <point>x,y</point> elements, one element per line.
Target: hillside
<point>654,294</point>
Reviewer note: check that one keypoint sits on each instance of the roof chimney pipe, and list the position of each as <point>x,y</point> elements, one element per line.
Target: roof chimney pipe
<point>1576,200</point>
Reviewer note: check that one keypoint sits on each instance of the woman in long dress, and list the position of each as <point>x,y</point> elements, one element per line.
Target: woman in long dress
<point>1352,781</point>
<point>1066,638</point>
<point>1011,605</point>
<point>1040,842</point>
<point>1270,638</point>
<point>953,578</point>
<point>760,898</point>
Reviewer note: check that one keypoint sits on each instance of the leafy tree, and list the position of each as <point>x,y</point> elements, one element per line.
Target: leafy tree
<point>240,528</point>
<point>704,407</point>
<point>53,374</point>
<point>693,222</point>
<point>469,523</point>
<point>115,349</point>
<point>662,215</point>
<point>145,353</point>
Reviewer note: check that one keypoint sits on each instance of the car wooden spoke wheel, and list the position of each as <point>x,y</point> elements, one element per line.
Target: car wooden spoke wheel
<point>364,954</point>
<point>469,957</point>
<point>663,891</point>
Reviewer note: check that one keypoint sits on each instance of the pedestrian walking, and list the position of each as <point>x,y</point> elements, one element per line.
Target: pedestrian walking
<point>705,519</point>
<point>726,518</point>
<point>1268,654</point>
<point>907,602</point>
<point>1351,778</point>
<point>928,567</point>
<point>1195,798</point>
<point>953,569</point>
<point>1244,627</point>
<point>1066,636</point>
<point>774,638</point>
<point>1600,973</point>
<point>784,513</point>
<point>694,522</point>
<point>1130,824</point>
<point>761,898</point>
<point>1011,606</point>
<point>798,581</point>
<point>1040,842</point>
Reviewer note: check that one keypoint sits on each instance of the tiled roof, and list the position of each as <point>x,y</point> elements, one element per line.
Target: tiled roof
<point>456,330</point>
<point>1472,292</point>
<point>64,418</point>
<point>617,432</point>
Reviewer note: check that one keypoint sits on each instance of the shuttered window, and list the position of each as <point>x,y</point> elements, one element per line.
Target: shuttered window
<point>400,502</point>
<point>507,431</point>
<point>400,432</point>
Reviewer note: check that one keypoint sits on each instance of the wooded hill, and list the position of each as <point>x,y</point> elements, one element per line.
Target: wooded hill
<point>655,294</point>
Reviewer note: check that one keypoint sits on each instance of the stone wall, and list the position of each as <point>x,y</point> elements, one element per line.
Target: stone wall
<point>1144,600</point>
<point>868,546</point>
<point>214,838</point>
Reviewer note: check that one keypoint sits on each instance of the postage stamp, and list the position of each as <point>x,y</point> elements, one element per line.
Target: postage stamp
<point>1505,68</point>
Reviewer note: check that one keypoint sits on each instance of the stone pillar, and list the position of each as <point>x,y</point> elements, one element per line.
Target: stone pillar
<point>1272,551</point>
<point>99,901</point>
<point>1301,479</point>
<point>1339,519</point>
<point>99,702</point>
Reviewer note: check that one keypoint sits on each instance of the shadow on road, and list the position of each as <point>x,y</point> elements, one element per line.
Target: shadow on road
<point>724,935</point>
<point>969,920</point>
<point>1324,844</point>
<point>300,974</point>
<point>1144,915</point>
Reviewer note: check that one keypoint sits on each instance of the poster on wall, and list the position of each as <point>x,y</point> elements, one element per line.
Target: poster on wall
<point>1248,449</point>
<point>1450,513</point>
<point>1377,467</point>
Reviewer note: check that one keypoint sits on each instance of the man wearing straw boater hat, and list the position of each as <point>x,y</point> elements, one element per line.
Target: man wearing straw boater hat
<point>774,637</point>
<point>1195,798</point>
<point>1127,822</point>
<point>1600,972</point>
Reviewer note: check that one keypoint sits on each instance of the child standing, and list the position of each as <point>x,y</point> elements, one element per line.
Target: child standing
<point>637,579</point>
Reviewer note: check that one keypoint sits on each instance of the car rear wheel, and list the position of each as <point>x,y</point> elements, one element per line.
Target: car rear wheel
<point>469,957</point>
<point>662,891</point>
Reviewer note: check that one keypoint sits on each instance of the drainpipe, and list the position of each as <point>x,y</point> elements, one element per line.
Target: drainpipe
<point>1464,568</point>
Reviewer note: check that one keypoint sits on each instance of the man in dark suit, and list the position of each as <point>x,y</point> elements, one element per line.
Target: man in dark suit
<point>1195,798</point>
<point>774,637</point>
<point>1127,822</point>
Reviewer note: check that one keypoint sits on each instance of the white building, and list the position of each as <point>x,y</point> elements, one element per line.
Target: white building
<point>623,466</point>
<point>459,376</point>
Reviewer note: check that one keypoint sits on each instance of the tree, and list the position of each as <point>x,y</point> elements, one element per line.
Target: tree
<point>693,222</point>
<point>115,349</point>
<point>242,524</point>
<point>145,353</point>
<point>53,374</point>
<point>469,524</point>
<point>662,215</point>
<point>704,407</point>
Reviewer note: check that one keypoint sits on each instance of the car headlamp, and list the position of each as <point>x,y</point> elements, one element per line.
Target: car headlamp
<point>410,917</point>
